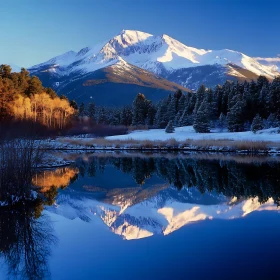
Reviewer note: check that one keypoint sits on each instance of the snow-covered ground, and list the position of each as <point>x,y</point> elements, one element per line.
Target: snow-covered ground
<point>187,132</point>
<point>264,141</point>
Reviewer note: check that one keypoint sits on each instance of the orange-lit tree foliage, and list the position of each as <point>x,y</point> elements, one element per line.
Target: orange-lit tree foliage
<point>24,98</point>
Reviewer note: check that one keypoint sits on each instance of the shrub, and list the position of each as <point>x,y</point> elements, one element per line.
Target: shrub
<point>257,123</point>
<point>169,128</point>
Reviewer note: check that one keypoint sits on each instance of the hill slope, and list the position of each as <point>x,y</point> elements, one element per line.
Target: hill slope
<point>116,84</point>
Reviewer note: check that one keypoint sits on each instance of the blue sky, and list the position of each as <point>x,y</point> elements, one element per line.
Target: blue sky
<point>33,31</point>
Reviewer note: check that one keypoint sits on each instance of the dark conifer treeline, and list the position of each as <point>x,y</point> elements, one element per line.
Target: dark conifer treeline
<point>236,106</point>
<point>229,178</point>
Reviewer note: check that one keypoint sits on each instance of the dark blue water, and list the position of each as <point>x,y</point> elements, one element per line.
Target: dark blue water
<point>148,218</point>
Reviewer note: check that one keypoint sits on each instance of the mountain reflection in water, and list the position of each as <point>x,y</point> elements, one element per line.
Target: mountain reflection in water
<point>134,197</point>
<point>137,197</point>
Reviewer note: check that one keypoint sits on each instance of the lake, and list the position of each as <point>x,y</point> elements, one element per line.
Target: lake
<point>148,216</point>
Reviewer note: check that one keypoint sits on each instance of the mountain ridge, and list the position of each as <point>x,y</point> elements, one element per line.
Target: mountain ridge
<point>160,55</point>
<point>160,211</point>
<point>143,50</point>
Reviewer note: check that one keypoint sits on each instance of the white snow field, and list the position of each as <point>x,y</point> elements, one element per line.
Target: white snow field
<point>187,132</point>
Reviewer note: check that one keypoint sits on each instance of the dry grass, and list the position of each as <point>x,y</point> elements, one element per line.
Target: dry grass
<point>243,145</point>
<point>173,144</point>
<point>252,145</point>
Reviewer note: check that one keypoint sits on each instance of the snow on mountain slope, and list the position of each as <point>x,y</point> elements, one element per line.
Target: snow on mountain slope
<point>62,60</point>
<point>159,51</point>
<point>158,54</point>
<point>272,62</point>
<point>114,85</point>
<point>161,213</point>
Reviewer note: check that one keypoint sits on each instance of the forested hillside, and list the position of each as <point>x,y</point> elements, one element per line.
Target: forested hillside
<point>23,98</point>
<point>233,105</point>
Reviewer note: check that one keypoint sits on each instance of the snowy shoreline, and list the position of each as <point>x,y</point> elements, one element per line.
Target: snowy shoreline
<point>184,139</point>
<point>188,133</point>
<point>211,149</point>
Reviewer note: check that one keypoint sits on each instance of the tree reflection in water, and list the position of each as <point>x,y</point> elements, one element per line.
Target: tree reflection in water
<point>26,236</point>
<point>244,178</point>
<point>26,241</point>
<point>49,181</point>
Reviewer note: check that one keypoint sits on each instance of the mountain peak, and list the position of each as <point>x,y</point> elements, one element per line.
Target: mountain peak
<point>132,32</point>
<point>131,37</point>
<point>158,54</point>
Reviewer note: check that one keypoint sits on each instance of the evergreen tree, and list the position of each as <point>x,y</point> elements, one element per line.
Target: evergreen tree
<point>74,104</point>
<point>263,101</point>
<point>126,116</point>
<point>115,117</point>
<point>235,117</point>
<point>178,94</point>
<point>261,82</point>
<point>182,118</point>
<point>190,103</point>
<point>102,116</point>
<point>257,123</point>
<point>201,120</point>
<point>150,115</point>
<point>225,93</point>
<point>171,109</point>
<point>186,119</point>
<point>274,97</point>
<point>34,86</point>
<point>82,109</point>
<point>161,119</point>
<point>181,104</point>
<point>200,95</point>
<point>222,122</point>
<point>91,110</point>
<point>169,128</point>
<point>139,109</point>
<point>213,104</point>
<point>176,121</point>
<point>271,121</point>
<point>232,96</point>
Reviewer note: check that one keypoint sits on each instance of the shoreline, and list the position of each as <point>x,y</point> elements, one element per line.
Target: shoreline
<point>184,139</point>
<point>219,150</point>
<point>216,146</point>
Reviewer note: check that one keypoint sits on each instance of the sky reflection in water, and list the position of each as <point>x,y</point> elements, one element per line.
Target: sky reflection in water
<point>154,218</point>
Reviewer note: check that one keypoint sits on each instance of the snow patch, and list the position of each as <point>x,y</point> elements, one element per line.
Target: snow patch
<point>188,132</point>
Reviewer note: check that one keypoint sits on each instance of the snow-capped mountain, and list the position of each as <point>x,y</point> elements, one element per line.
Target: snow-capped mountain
<point>154,53</point>
<point>162,212</point>
<point>273,62</point>
<point>160,55</point>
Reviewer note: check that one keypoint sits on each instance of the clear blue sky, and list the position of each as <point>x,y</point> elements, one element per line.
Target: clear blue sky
<point>33,31</point>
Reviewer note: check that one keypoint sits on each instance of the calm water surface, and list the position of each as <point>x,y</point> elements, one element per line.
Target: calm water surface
<point>148,217</point>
